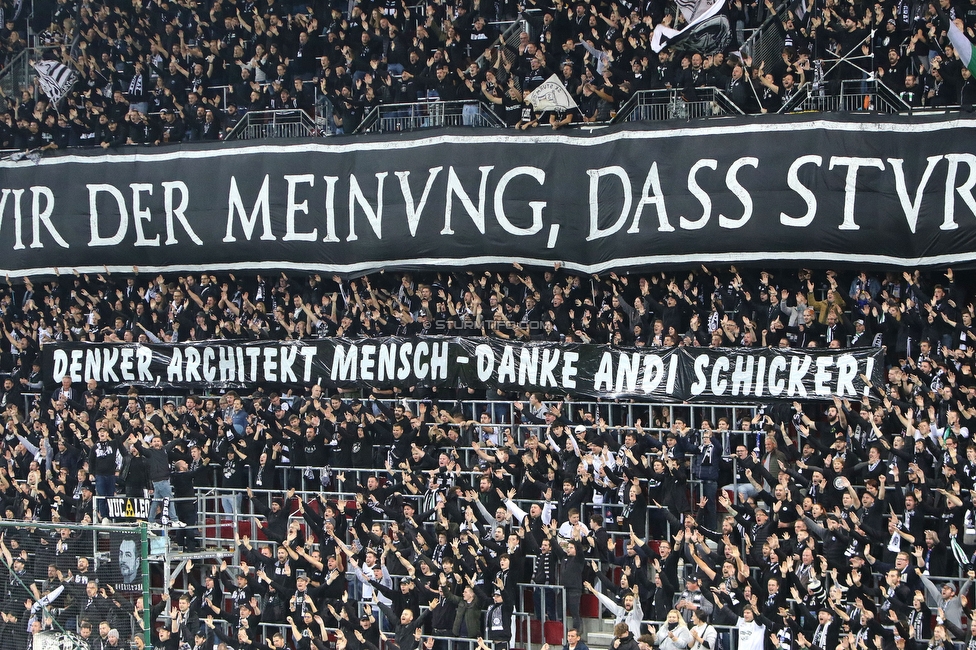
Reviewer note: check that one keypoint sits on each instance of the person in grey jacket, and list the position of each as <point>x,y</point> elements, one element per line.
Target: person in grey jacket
<point>157,456</point>
<point>948,601</point>
<point>630,612</point>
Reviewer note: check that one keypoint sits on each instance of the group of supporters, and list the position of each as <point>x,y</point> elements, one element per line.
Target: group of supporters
<point>925,323</point>
<point>420,514</point>
<point>162,72</point>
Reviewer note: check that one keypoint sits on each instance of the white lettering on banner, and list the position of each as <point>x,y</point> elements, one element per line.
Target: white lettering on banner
<point>270,365</point>
<point>760,375</point>
<point>700,194</point>
<point>550,359</point>
<point>485,356</point>
<point>828,375</point>
<point>735,374</point>
<point>701,382</point>
<point>420,366</point>
<point>595,175</point>
<point>629,365</point>
<point>719,383</point>
<point>366,367</point>
<point>413,210</point>
<point>653,374</point>
<point>128,508</point>
<point>741,193</point>
<point>793,180</point>
<point>205,364</point>
<point>822,376</point>
<point>536,206</point>
<point>108,365</point>
<point>193,362</point>
<point>99,364</point>
<point>253,355</point>
<point>743,375</point>
<point>405,351</point>
<point>846,372</point>
<point>115,193</point>
<point>798,368</point>
<point>351,363</point>
<point>177,211</point>
<point>853,164</point>
<point>209,371</point>
<point>357,197</point>
<point>330,217</point>
<point>308,356</point>
<point>18,218</point>
<point>39,216</point>
<point>528,366</point>
<point>373,207</point>
<point>291,233</point>
<point>603,378</point>
<point>569,369</point>
<point>544,368</point>
<point>141,215</point>
<point>506,367</point>
<point>910,207</point>
<point>262,208</point>
<point>454,188</point>
<point>965,190</point>
<point>651,194</point>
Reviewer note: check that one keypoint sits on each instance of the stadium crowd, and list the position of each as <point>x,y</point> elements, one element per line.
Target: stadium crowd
<point>164,71</point>
<point>844,527</point>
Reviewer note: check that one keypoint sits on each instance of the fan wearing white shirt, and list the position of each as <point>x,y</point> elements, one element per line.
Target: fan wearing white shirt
<point>703,634</point>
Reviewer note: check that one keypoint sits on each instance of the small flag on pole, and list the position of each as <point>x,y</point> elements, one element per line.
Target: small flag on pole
<point>552,96</point>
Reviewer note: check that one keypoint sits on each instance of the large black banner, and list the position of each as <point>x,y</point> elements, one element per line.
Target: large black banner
<point>675,375</point>
<point>814,191</point>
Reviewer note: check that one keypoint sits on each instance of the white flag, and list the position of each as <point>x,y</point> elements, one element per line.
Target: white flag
<point>552,96</point>
<point>56,79</point>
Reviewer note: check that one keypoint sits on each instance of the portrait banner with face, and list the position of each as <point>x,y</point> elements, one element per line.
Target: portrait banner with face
<point>123,570</point>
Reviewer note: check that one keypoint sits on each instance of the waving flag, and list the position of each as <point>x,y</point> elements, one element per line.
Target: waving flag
<point>56,79</point>
<point>707,30</point>
<point>552,96</point>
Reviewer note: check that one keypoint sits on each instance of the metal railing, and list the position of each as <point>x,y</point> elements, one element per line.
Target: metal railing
<point>95,543</point>
<point>855,95</point>
<point>765,44</point>
<point>17,74</point>
<point>668,104</point>
<point>508,39</point>
<point>290,123</point>
<point>390,118</point>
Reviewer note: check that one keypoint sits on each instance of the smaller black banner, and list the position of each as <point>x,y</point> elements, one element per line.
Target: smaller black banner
<point>677,374</point>
<point>128,508</point>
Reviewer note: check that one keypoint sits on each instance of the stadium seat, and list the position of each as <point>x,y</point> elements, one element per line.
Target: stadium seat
<point>589,606</point>
<point>554,633</point>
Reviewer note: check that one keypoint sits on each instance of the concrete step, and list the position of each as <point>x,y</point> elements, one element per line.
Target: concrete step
<point>598,625</point>
<point>592,625</point>
<point>599,640</point>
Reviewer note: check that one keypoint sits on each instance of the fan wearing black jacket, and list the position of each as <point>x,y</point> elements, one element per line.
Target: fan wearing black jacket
<point>408,624</point>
